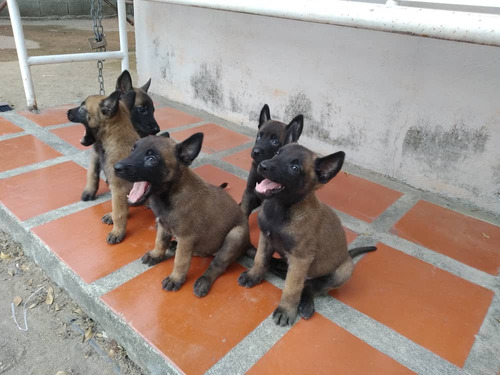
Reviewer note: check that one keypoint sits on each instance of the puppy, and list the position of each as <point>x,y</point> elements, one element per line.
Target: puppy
<point>108,127</point>
<point>204,219</point>
<point>270,138</point>
<point>305,232</point>
<point>142,117</point>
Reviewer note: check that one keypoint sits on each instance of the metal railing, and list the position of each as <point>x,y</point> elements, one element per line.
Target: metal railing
<point>26,61</point>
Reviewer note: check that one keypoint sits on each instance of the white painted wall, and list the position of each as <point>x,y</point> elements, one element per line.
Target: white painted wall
<point>423,111</point>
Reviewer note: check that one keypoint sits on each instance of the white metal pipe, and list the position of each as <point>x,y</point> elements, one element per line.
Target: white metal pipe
<point>440,24</point>
<point>75,57</point>
<point>22,53</point>
<point>122,28</point>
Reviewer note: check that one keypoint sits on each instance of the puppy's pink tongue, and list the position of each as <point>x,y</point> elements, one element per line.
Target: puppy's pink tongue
<point>266,185</point>
<point>138,190</point>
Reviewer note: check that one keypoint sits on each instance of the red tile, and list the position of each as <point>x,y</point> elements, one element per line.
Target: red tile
<point>22,151</point>
<point>7,127</point>
<point>217,176</point>
<point>49,116</point>
<point>350,235</point>
<point>357,197</point>
<point>468,240</point>
<point>193,333</point>
<point>168,118</point>
<point>42,190</point>
<point>318,346</point>
<point>241,159</point>
<point>72,135</point>
<point>79,240</point>
<point>431,307</point>
<point>216,138</point>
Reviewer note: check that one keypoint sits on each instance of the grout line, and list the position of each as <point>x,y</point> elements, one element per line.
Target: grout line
<point>483,357</point>
<point>13,135</point>
<point>249,350</point>
<point>384,339</point>
<point>184,127</point>
<point>385,221</point>
<point>64,211</point>
<point>34,167</point>
<point>65,125</point>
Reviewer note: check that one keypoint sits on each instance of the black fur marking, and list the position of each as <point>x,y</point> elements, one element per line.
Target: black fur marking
<point>361,250</point>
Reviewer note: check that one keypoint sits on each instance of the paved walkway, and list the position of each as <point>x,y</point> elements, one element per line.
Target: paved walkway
<point>427,301</point>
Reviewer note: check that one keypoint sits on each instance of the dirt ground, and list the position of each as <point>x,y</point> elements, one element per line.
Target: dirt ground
<point>60,337</point>
<point>58,84</point>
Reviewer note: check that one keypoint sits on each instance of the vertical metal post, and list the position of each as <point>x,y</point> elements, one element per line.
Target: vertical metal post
<point>22,54</point>
<point>122,27</point>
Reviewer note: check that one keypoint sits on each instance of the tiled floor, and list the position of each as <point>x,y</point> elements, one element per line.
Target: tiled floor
<point>432,286</point>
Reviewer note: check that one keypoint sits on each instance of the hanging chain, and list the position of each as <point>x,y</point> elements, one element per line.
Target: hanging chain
<point>99,38</point>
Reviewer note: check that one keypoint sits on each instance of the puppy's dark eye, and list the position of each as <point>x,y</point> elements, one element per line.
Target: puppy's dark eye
<point>295,168</point>
<point>133,148</point>
<point>150,161</point>
<point>141,109</point>
<point>259,136</point>
<point>274,141</point>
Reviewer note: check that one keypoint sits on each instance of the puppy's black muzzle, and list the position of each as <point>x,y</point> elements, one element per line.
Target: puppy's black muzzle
<point>125,171</point>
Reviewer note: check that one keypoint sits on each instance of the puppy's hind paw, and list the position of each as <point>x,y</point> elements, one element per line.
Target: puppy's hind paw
<point>306,307</point>
<point>151,260</point>
<point>107,219</point>
<point>283,318</point>
<point>114,238</point>
<point>172,285</point>
<point>202,286</point>
<point>88,196</point>
<point>247,280</point>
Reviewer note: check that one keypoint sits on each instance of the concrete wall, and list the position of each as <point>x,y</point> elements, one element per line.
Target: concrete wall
<point>423,111</point>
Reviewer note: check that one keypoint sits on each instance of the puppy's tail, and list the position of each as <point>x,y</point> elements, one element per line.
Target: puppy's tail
<point>361,250</point>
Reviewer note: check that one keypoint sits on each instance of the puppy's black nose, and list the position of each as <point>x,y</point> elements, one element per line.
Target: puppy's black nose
<point>263,165</point>
<point>119,167</point>
<point>155,128</point>
<point>256,152</point>
<point>69,115</point>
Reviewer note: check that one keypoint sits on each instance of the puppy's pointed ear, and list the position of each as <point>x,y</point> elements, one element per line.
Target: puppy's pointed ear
<point>165,134</point>
<point>145,88</point>
<point>188,150</point>
<point>265,115</point>
<point>109,106</point>
<point>327,167</point>
<point>124,82</point>
<point>129,99</point>
<point>294,130</point>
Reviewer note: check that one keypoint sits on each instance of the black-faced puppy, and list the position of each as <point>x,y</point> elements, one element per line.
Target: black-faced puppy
<point>142,117</point>
<point>204,219</point>
<point>305,232</point>
<point>108,127</point>
<point>270,137</point>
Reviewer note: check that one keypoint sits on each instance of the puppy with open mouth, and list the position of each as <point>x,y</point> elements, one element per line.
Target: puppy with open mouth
<point>304,231</point>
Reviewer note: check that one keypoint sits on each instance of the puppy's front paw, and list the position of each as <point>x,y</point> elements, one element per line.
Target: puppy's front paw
<point>151,260</point>
<point>170,284</point>
<point>114,238</point>
<point>202,286</point>
<point>88,196</point>
<point>306,307</point>
<point>284,317</point>
<point>108,218</point>
<point>247,280</point>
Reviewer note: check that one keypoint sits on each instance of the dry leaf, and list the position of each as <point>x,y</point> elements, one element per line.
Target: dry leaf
<point>485,235</point>
<point>32,305</point>
<point>4,255</point>
<point>78,311</point>
<point>50,296</point>
<point>17,300</point>
<point>347,174</point>
<point>10,272</point>
<point>88,334</point>
<point>56,307</point>
<point>29,282</point>
<point>61,373</point>
<point>24,267</point>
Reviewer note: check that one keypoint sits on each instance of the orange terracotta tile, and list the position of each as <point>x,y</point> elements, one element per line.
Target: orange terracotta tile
<point>241,159</point>
<point>217,176</point>
<point>7,127</point>
<point>193,333</point>
<point>168,118</point>
<point>357,197</point>
<point>72,135</point>
<point>42,190</point>
<point>216,138</point>
<point>350,235</point>
<point>79,240</point>
<point>468,240</point>
<point>49,116</point>
<point>318,346</point>
<point>22,151</point>
<point>429,306</point>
